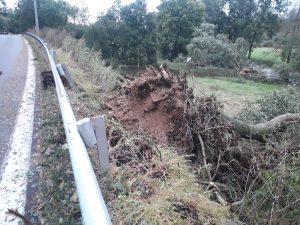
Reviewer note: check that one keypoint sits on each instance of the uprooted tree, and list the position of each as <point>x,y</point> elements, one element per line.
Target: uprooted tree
<point>163,106</point>
<point>261,130</point>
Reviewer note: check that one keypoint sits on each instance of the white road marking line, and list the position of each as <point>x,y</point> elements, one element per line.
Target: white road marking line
<point>13,182</point>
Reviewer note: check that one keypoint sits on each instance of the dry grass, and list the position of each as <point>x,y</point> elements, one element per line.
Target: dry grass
<point>88,60</point>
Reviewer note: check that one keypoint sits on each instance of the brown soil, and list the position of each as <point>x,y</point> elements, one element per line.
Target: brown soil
<point>152,103</point>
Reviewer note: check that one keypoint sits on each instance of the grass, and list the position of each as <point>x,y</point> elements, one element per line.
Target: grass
<point>232,92</point>
<point>180,68</point>
<point>266,55</point>
<point>56,200</point>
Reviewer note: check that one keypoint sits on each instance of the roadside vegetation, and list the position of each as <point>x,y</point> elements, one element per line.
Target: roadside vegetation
<point>202,117</point>
<point>138,188</point>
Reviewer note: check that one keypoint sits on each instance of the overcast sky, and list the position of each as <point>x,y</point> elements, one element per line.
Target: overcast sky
<point>97,6</point>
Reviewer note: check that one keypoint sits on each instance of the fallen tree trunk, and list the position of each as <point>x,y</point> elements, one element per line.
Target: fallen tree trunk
<point>261,130</point>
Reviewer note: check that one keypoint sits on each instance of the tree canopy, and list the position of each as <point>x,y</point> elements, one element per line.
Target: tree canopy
<point>209,48</point>
<point>51,14</point>
<point>246,18</point>
<point>177,20</point>
<point>289,39</point>
<point>126,34</point>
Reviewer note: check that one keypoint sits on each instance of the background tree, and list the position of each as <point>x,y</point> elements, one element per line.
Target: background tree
<point>106,27</point>
<point>289,38</point>
<point>177,20</point>
<point>215,14</point>
<point>4,16</point>
<point>138,46</point>
<point>126,34</point>
<point>250,19</point>
<point>78,21</point>
<point>51,14</point>
<point>207,48</point>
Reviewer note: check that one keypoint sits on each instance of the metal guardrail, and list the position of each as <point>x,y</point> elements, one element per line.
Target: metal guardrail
<point>92,205</point>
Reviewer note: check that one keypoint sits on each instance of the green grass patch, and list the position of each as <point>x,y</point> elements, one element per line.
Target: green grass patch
<point>232,92</point>
<point>180,68</point>
<point>266,55</point>
<point>234,86</point>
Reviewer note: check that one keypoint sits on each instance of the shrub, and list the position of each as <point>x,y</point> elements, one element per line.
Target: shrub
<point>284,70</point>
<point>276,199</point>
<point>268,44</point>
<point>206,48</point>
<point>296,60</point>
<point>272,105</point>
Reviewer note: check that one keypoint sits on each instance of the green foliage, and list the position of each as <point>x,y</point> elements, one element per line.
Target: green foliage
<point>51,14</point>
<point>272,105</point>
<point>206,48</point>
<point>177,20</point>
<point>296,60</point>
<point>284,70</point>
<point>289,38</point>
<point>4,19</point>
<point>215,14</point>
<point>275,198</point>
<point>125,34</point>
<point>249,19</point>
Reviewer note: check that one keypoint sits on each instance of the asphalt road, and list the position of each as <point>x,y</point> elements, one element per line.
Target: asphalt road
<point>13,64</point>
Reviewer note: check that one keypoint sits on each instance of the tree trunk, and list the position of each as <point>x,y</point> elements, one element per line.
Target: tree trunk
<point>138,57</point>
<point>289,56</point>
<point>261,130</point>
<point>251,45</point>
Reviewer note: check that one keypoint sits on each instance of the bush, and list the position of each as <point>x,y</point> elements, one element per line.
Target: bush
<point>272,105</point>
<point>276,199</point>
<point>206,48</point>
<point>284,70</point>
<point>296,60</point>
<point>268,44</point>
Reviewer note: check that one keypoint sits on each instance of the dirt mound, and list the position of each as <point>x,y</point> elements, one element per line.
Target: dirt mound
<point>153,103</point>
